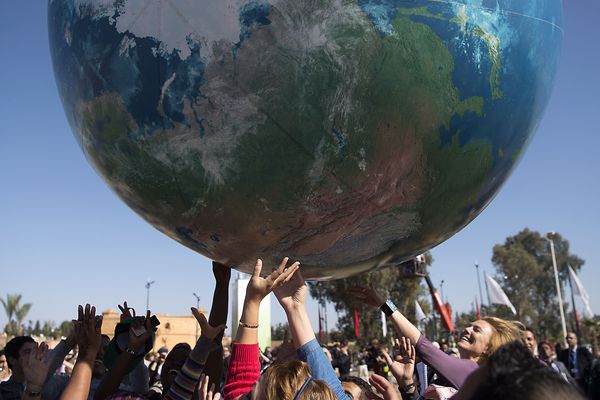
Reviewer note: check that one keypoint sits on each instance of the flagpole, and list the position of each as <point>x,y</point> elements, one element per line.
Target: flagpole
<point>558,291</point>
<point>574,308</point>
<point>479,284</point>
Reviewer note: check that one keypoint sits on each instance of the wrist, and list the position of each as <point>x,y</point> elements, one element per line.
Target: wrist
<point>388,308</point>
<point>408,388</point>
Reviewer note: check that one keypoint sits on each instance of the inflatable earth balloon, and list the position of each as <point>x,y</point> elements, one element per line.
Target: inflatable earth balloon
<point>348,134</point>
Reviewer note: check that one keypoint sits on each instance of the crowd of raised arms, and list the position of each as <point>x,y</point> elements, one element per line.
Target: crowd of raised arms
<point>493,358</point>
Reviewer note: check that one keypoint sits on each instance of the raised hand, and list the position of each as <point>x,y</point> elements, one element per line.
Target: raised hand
<point>88,328</point>
<point>207,330</point>
<point>205,392</point>
<point>125,313</point>
<point>259,287</point>
<point>292,294</point>
<point>384,387</point>
<point>137,338</point>
<point>36,367</point>
<point>403,368</point>
<point>368,296</point>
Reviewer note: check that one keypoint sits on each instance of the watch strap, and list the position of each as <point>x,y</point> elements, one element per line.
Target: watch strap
<point>388,308</point>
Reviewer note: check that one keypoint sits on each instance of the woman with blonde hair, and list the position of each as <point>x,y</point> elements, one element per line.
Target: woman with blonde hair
<point>310,378</point>
<point>476,343</point>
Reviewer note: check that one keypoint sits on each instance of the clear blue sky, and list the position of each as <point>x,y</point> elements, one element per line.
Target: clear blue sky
<point>66,238</point>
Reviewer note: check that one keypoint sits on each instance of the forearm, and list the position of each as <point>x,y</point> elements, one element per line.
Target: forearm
<point>218,316</point>
<point>405,328</point>
<point>249,316</point>
<point>300,325</point>
<point>312,353</point>
<point>79,385</point>
<point>187,379</point>
<point>114,376</point>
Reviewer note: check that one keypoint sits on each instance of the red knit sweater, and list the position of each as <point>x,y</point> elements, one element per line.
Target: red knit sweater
<point>244,370</point>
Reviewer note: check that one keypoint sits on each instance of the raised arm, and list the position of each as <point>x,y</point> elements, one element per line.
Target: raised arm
<point>403,326</point>
<point>244,366</point>
<point>292,297</point>
<point>114,376</point>
<point>218,316</point>
<point>454,370</point>
<point>88,328</point>
<point>189,376</point>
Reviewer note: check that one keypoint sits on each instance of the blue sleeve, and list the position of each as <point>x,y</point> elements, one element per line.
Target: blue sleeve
<point>321,368</point>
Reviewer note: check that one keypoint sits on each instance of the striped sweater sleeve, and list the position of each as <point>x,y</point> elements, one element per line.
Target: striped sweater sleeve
<point>188,377</point>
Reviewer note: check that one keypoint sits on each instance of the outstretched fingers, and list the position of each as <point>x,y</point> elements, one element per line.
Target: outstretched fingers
<point>286,275</point>
<point>257,268</point>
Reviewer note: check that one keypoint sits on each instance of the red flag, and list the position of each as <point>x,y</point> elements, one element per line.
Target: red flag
<point>320,325</point>
<point>355,323</point>
<point>477,308</point>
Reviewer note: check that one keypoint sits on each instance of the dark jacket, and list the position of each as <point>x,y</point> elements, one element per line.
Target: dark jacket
<point>584,364</point>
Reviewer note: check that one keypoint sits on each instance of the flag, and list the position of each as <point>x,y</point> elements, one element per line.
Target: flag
<point>419,314</point>
<point>477,308</point>
<point>383,324</point>
<point>579,290</point>
<point>320,325</point>
<point>497,295</point>
<point>356,323</point>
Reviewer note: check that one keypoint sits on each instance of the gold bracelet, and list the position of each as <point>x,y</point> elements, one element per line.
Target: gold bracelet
<point>250,326</point>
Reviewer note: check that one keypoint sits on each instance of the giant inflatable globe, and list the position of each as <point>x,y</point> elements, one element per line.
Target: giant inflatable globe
<point>349,134</point>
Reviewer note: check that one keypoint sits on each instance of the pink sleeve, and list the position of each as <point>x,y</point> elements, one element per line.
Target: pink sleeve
<point>244,370</point>
<point>454,370</point>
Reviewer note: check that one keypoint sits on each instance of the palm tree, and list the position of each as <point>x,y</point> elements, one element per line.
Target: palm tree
<point>15,312</point>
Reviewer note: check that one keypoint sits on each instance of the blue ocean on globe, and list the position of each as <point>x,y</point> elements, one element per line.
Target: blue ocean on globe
<point>351,135</point>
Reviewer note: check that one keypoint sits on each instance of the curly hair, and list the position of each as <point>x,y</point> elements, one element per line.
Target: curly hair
<point>284,380</point>
<point>503,332</point>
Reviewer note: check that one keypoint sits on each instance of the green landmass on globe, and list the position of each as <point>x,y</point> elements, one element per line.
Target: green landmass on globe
<point>348,134</point>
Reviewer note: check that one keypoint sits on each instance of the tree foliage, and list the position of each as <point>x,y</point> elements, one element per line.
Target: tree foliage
<point>15,313</point>
<point>398,282</point>
<point>524,270</point>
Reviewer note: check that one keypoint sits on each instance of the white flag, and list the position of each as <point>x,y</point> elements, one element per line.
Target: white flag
<point>579,290</point>
<point>419,314</point>
<point>383,324</point>
<point>497,295</point>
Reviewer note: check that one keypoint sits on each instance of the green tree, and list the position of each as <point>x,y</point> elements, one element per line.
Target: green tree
<point>15,313</point>
<point>48,329</point>
<point>524,270</point>
<point>400,283</point>
<point>278,331</point>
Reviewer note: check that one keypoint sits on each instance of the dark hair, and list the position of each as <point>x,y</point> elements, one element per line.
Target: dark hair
<point>14,345</point>
<point>364,386</point>
<point>512,372</point>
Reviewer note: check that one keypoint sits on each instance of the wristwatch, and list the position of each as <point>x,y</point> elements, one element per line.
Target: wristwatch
<point>388,308</point>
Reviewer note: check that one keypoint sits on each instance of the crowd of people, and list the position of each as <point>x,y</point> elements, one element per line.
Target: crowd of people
<point>492,358</point>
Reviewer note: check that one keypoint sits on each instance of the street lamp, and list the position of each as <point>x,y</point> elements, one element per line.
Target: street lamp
<point>442,290</point>
<point>148,284</point>
<point>558,291</point>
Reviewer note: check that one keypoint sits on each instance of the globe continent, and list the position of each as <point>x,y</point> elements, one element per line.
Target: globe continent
<point>348,134</point>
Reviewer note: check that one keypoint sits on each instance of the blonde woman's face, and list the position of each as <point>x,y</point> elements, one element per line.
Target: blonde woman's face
<point>474,340</point>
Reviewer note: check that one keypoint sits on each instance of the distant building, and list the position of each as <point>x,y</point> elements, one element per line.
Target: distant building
<point>173,329</point>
